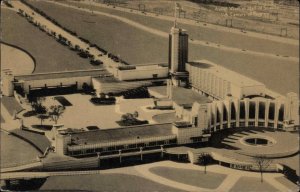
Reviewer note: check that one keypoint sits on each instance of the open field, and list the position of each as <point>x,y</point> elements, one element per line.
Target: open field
<point>137,46</point>
<point>190,177</point>
<point>263,17</point>
<point>202,33</point>
<point>49,55</point>
<point>104,182</point>
<point>252,184</point>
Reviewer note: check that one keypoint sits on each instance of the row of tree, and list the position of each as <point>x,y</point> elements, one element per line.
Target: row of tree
<point>82,53</point>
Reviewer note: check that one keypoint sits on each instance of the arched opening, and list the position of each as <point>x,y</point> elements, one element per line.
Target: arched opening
<point>233,111</point>
<point>261,110</point>
<point>281,113</point>
<point>218,116</point>
<point>242,110</point>
<point>225,113</point>
<point>252,110</point>
<point>272,111</point>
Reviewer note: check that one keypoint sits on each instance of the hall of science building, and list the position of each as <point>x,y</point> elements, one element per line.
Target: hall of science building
<point>206,98</point>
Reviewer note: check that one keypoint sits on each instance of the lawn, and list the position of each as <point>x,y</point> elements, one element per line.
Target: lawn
<point>137,46</point>
<point>104,182</point>
<point>11,105</point>
<point>50,56</point>
<point>190,177</point>
<point>15,150</point>
<point>245,184</point>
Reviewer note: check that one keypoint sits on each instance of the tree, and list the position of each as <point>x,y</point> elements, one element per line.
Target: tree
<point>204,159</point>
<point>56,112</point>
<point>37,105</point>
<point>262,162</point>
<point>42,117</point>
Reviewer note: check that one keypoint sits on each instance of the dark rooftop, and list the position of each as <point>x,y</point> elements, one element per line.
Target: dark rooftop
<point>118,134</point>
<point>182,124</point>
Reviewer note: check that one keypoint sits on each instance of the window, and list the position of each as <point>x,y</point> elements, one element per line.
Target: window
<point>196,121</point>
<point>155,76</point>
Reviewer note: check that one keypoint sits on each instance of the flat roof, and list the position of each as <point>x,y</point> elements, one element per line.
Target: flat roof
<point>226,74</point>
<point>182,96</point>
<point>123,133</point>
<point>62,74</point>
<point>186,97</point>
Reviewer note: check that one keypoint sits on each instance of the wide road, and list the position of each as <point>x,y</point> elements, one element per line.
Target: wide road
<point>52,27</point>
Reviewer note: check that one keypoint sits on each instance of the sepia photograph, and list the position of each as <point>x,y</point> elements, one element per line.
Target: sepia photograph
<point>150,95</point>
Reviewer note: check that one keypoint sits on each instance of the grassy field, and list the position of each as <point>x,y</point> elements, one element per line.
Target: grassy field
<point>287,183</point>
<point>50,56</point>
<point>136,46</point>
<point>252,184</point>
<point>104,182</point>
<point>204,33</point>
<point>190,177</point>
<point>14,150</point>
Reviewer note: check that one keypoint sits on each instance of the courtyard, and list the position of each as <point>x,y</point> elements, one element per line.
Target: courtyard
<point>81,113</point>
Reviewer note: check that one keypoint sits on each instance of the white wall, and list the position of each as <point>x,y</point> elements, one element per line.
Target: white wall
<point>142,73</point>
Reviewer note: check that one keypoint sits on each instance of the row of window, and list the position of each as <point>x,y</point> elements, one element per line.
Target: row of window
<point>126,148</point>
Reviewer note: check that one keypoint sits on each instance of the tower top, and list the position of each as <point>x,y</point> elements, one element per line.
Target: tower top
<point>177,7</point>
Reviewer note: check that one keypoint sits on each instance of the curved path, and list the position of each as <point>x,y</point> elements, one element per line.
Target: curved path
<point>16,59</point>
<point>196,42</point>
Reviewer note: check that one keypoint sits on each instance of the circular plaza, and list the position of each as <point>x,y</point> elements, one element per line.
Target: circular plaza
<point>258,141</point>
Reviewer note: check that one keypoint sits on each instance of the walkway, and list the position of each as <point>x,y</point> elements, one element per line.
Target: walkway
<point>166,35</point>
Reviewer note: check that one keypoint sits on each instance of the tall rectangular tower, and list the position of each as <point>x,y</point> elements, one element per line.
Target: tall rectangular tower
<point>178,50</point>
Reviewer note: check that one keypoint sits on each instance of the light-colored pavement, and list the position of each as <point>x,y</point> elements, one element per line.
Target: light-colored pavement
<point>16,59</point>
<point>140,105</point>
<point>196,42</point>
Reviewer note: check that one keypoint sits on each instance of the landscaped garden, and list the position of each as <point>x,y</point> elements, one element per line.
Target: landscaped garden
<point>49,55</point>
<point>190,177</point>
